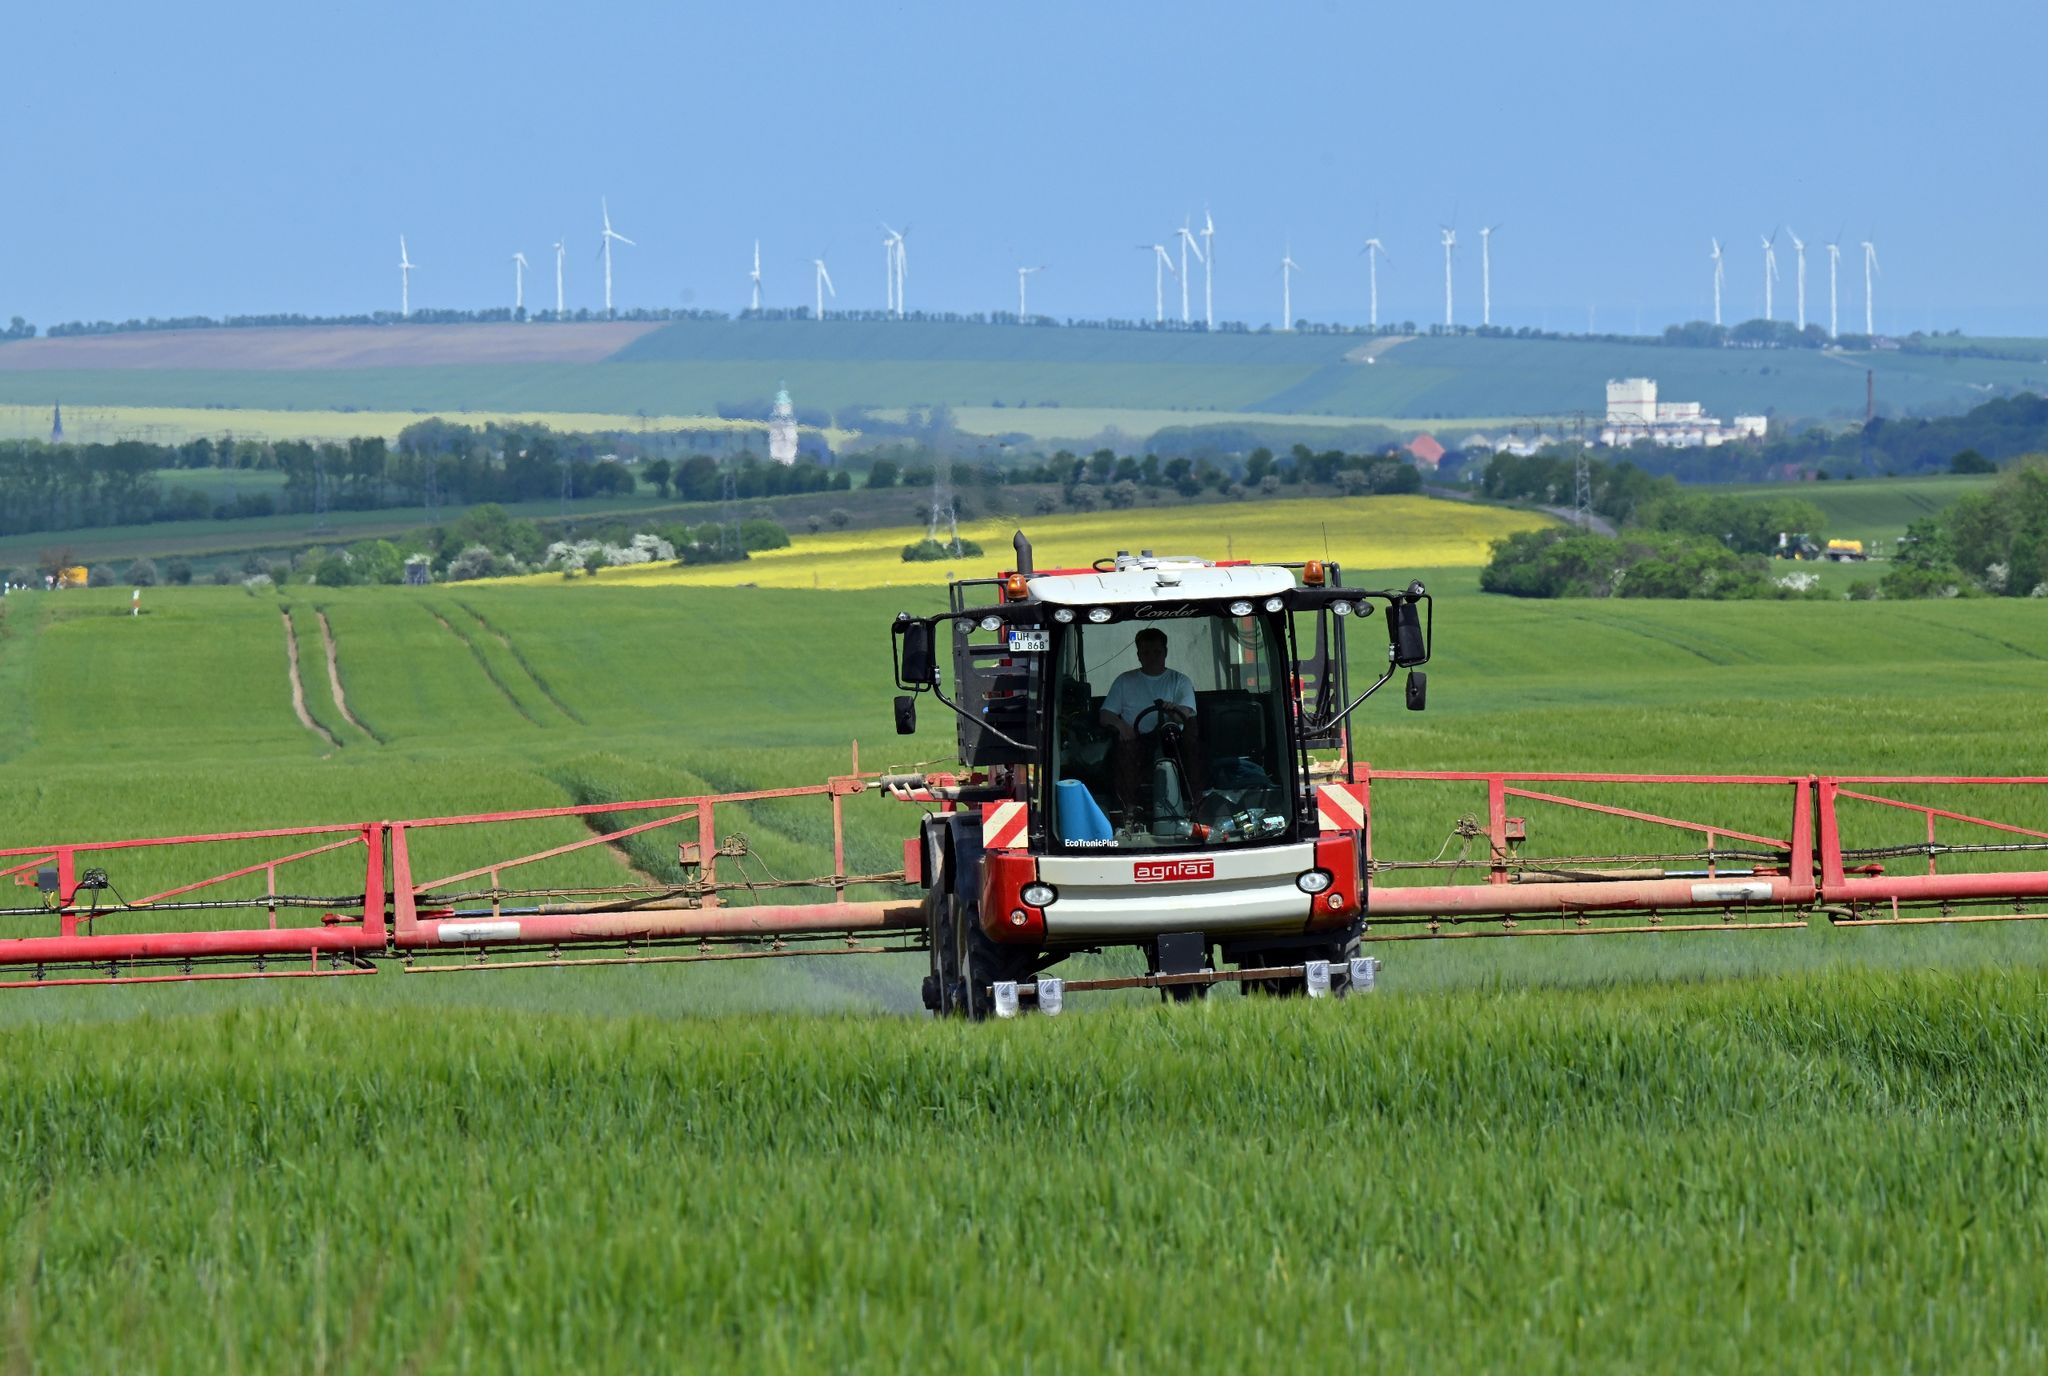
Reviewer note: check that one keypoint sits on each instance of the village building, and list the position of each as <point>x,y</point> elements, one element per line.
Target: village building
<point>1635,414</point>
<point>1427,452</point>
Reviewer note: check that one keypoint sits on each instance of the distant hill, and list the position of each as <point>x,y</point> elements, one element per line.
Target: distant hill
<point>998,377</point>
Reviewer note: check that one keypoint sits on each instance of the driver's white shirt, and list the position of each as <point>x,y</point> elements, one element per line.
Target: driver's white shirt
<point>1135,690</point>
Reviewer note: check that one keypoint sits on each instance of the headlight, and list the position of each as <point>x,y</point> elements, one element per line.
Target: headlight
<point>1098,615</point>
<point>1240,608</point>
<point>1313,881</point>
<point>1341,608</point>
<point>1274,604</point>
<point>1063,615</point>
<point>1038,895</point>
<point>991,623</point>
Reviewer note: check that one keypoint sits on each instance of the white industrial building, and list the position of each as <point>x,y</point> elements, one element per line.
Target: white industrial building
<point>1635,414</point>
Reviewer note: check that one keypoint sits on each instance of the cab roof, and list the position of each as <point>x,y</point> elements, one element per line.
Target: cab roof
<point>1180,580</point>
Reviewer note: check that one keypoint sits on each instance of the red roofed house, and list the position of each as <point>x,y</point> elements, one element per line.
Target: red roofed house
<point>1428,453</point>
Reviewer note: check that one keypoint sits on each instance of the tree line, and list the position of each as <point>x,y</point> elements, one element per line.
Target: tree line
<point>1671,542</point>
<point>1994,431</point>
<point>45,487</point>
<point>1558,562</point>
<point>1993,542</point>
<point>21,329</point>
<point>1106,477</point>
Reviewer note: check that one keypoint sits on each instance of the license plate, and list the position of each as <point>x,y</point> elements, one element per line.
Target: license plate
<point>1029,640</point>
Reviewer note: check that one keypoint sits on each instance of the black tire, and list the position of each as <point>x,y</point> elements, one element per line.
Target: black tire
<point>964,962</point>
<point>944,988</point>
<point>984,962</point>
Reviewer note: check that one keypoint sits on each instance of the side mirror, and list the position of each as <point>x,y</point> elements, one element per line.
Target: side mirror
<point>920,670</point>
<point>1404,634</point>
<point>1418,691</point>
<point>906,715</point>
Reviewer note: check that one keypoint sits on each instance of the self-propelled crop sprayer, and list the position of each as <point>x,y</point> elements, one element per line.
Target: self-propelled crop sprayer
<point>1155,753</point>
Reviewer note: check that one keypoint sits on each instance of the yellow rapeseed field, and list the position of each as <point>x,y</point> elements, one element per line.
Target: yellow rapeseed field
<point>1359,532</point>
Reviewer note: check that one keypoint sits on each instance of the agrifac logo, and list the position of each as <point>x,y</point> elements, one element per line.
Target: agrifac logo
<point>1168,871</point>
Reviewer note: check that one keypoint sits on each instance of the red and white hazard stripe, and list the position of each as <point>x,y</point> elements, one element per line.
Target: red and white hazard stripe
<point>1341,807</point>
<point>1003,825</point>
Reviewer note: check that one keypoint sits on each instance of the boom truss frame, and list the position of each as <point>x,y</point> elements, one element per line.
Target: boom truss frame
<point>1758,880</point>
<point>1734,877</point>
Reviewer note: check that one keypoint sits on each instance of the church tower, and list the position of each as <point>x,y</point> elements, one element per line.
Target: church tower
<point>782,428</point>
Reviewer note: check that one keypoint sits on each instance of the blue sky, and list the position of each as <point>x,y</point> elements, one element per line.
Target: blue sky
<point>253,158</point>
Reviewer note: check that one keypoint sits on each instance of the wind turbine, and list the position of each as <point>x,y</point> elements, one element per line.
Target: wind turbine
<point>1187,241</point>
<point>1208,271</point>
<point>755,276</point>
<point>889,270</point>
<point>558,278</point>
<point>824,284</point>
<point>1770,271</point>
<point>405,267</point>
<point>895,266</point>
<point>518,282</point>
<point>902,271</point>
<point>1373,251</point>
<point>1023,314</point>
<point>1799,252</point>
<point>1869,267</point>
<point>1288,267</point>
<point>1720,271</point>
<point>609,235</point>
<point>1834,265</point>
<point>1486,274</point>
<point>1450,244</point>
<point>1162,264</point>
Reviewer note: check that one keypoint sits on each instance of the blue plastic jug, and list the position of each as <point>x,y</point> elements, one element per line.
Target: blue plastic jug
<point>1081,817</point>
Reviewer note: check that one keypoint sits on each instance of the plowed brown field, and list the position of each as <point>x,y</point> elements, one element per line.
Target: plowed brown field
<point>288,347</point>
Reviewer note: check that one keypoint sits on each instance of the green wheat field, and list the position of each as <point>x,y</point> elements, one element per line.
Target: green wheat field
<point>1789,1150</point>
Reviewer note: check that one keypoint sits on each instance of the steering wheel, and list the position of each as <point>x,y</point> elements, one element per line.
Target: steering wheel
<point>1170,727</point>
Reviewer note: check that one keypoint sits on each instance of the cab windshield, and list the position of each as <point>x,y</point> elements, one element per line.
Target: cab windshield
<point>1170,734</point>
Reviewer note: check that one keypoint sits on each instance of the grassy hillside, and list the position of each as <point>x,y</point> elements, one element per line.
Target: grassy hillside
<point>1530,377</point>
<point>916,341</point>
<point>681,388</point>
<point>1875,508</point>
<point>690,367</point>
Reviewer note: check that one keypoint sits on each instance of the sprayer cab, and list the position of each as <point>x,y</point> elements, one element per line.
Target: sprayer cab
<point>1197,663</point>
<point>1147,738</point>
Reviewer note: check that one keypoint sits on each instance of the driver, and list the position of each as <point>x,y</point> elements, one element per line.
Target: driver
<point>1129,710</point>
